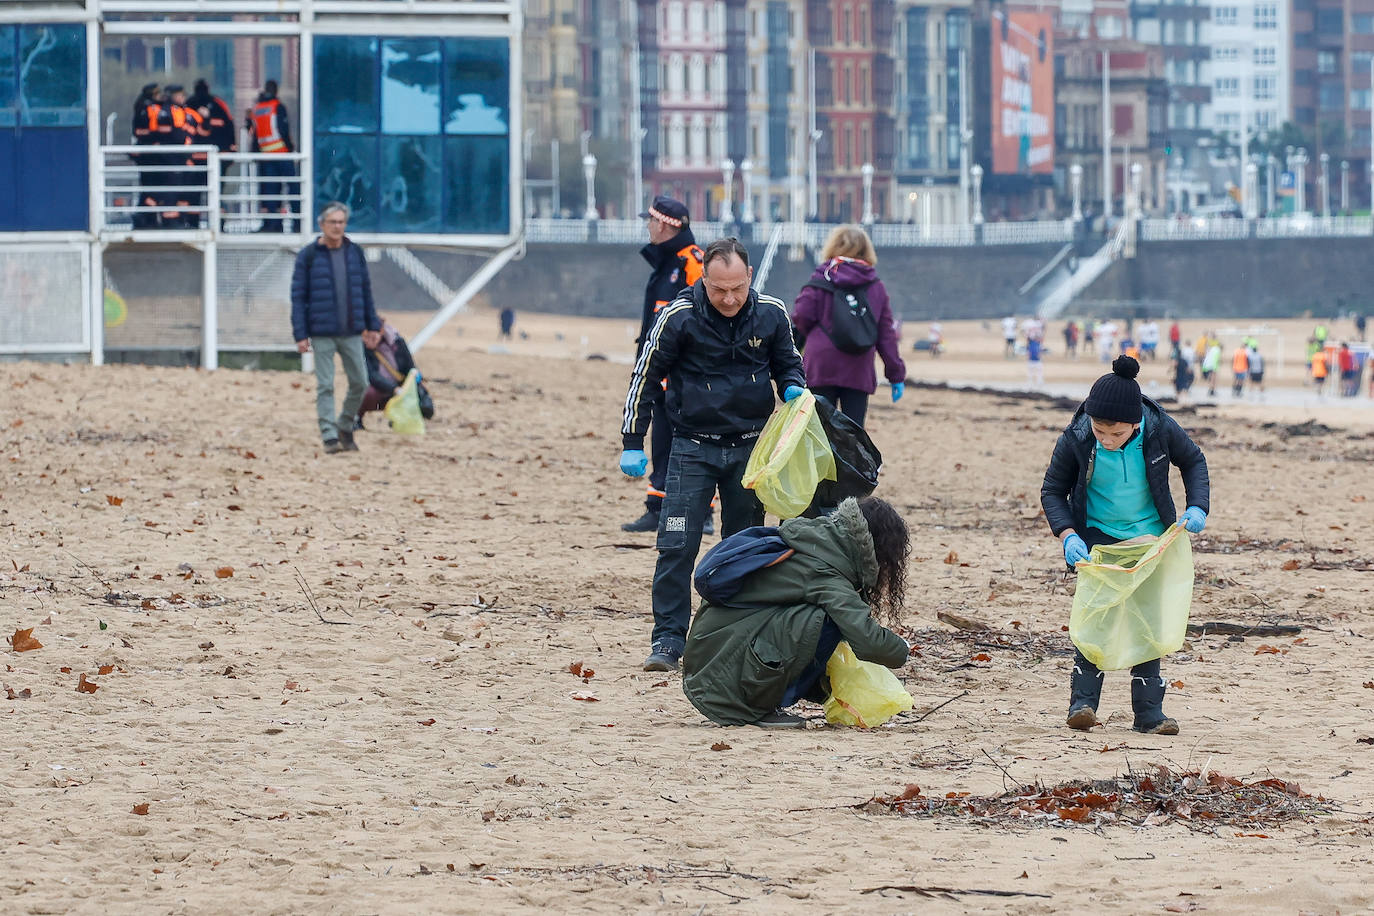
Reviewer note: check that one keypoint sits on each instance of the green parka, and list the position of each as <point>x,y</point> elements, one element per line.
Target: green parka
<point>741,658</point>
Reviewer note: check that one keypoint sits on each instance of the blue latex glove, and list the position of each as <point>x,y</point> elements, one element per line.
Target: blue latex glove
<point>1075,551</point>
<point>633,462</point>
<point>791,391</point>
<point>1193,520</point>
<point>898,389</point>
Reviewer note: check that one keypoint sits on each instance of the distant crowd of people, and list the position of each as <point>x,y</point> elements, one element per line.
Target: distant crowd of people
<point>172,190</point>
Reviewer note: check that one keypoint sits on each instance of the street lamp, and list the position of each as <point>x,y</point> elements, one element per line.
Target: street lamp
<point>866,170</point>
<point>746,171</point>
<point>1136,170</point>
<point>1251,192</point>
<point>1269,185</point>
<point>727,207</point>
<point>1325,184</point>
<point>977,172</point>
<point>1345,186</point>
<point>1076,183</point>
<point>589,173</point>
<point>1299,162</point>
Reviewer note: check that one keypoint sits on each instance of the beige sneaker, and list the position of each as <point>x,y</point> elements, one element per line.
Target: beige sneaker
<point>1082,718</point>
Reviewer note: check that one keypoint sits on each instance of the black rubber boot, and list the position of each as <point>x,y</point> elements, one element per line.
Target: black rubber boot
<point>1085,690</point>
<point>1147,702</point>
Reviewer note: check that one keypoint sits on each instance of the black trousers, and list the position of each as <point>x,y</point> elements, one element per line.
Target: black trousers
<point>851,402</point>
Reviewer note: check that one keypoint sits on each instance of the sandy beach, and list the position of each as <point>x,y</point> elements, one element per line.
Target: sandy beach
<point>341,683</point>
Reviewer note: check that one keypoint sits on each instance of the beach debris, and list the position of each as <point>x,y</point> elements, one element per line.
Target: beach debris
<point>960,622</point>
<point>578,670</point>
<point>24,641</point>
<point>1242,629</point>
<point>12,694</point>
<point>720,746</point>
<point>1139,798</point>
<point>948,893</point>
<point>85,686</point>
<point>586,697</point>
<point>224,572</point>
<point>141,809</point>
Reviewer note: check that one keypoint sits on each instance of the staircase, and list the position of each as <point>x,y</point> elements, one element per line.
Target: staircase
<point>1070,283</point>
<point>422,276</point>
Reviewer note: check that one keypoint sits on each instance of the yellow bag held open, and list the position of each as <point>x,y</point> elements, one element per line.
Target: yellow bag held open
<point>862,693</point>
<point>403,410</point>
<point>1133,599</point>
<point>791,457</point>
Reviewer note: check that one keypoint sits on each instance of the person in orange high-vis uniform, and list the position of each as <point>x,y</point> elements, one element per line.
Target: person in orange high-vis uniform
<point>1319,370</point>
<point>1240,370</point>
<point>271,128</point>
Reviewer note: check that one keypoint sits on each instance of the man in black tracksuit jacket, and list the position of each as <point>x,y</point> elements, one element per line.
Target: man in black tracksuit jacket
<point>720,345</point>
<point>673,254</point>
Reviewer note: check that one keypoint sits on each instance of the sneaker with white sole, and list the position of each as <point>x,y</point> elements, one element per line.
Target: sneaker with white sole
<point>662,658</point>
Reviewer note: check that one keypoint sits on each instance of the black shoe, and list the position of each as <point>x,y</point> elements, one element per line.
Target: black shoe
<point>332,447</point>
<point>646,522</point>
<point>1085,691</point>
<point>1147,702</point>
<point>346,442</point>
<point>779,719</point>
<point>662,658</point>
<point>358,423</point>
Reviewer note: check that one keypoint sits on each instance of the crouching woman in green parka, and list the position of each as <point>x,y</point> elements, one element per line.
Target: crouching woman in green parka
<point>747,661</point>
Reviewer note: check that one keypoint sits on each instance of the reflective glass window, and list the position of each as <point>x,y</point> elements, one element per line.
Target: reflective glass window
<point>410,86</point>
<point>477,88</point>
<point>52,75</point>
<point>346,99</point>
<point>8,100</point>
<point>476,174</point>
<point>412,184</point>
<point>346,170</point>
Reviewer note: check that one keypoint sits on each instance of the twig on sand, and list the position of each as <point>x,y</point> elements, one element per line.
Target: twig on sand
<point>949,892</point>
<point>95,572</point>
<point>310,599</point>
<point>1005,771</point>
<point>941,706</point>
<point>1242,629</point>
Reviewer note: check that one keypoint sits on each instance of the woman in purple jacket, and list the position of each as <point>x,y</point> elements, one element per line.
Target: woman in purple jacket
<point>847,379</point>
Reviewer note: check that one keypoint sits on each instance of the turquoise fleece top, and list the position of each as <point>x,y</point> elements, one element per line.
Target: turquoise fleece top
<point>1119,501</point>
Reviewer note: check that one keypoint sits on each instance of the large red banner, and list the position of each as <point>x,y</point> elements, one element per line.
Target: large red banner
<point>1022,92</point>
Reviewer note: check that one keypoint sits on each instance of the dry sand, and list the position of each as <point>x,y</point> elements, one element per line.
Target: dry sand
<point>427,750</point>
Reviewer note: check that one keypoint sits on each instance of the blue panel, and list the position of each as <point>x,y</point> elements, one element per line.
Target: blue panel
<point>52,186</point>
<point>9,180</point>
<point>52,87</point>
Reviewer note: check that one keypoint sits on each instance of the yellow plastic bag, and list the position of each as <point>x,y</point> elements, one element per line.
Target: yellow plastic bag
<point>862,693</point>
<point>403,410</point>
<point>1133,599</point>
<point>791,457</point>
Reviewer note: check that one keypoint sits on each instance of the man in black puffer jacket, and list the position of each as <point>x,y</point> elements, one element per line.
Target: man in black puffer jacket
<point>332,312</point>
<point>721,345</point>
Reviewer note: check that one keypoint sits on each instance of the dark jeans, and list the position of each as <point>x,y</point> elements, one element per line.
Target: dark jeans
<point>661,445</point>
<point>825,647</point>
<point>851,402</point>
<point>695,471</point>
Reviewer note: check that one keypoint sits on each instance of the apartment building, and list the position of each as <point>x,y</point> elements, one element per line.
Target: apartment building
<point>1179,29</point>
<point>1249,66</point>
<point>1331,48</point>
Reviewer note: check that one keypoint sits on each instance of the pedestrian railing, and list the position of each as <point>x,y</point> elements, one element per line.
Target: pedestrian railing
<point>180,188</point>
<point>1218,228</point>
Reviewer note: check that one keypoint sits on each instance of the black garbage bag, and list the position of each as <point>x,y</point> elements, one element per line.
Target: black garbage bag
<point>857,461</point>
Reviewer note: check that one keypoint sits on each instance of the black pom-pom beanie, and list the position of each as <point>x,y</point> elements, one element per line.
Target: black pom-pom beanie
<point>1116,395</point>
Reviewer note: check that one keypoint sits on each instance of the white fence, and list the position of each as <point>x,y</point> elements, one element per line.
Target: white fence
<point>45,295</point>
<point>1287,227</point>
<point>811,235</point>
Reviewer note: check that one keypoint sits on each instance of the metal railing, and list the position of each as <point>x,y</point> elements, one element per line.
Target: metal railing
<point>810,235</point>
<point>1216,228</point>
<point>179,188</point>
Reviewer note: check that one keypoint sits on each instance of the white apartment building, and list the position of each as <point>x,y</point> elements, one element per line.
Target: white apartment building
<point>1249,66</point>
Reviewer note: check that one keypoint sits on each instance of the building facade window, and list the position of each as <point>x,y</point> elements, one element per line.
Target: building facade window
<point>1227,87</point>
<point>1266,56</point>
<point>1362,24</point>
<point>1226,15</point>
<point>1359,99</point>
<point>1225,53</point>
<point>1326,62</point>
<point>1331,21</point>
<point>1266,15</point>
<point>1266,87</point>
<point>1331,97</point>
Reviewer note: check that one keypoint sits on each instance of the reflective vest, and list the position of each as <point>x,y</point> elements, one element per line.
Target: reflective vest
<point>691,259</point>
<point>1240,362</point>
<point>265,127</point>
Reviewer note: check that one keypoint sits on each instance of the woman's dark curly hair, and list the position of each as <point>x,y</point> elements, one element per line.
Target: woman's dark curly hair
<point>892,546</point>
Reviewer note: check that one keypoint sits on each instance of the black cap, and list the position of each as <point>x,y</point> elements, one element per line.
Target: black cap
<point>175,88</point>
<point>667,210</point>
<point>148,87</point>
<point>1116,395</point>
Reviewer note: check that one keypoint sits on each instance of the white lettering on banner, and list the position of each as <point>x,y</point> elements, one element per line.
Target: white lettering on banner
<point>1015,91</point>
<point>1018,123</point>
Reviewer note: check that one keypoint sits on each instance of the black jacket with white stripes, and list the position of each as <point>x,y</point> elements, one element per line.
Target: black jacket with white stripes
<point>719,369</point>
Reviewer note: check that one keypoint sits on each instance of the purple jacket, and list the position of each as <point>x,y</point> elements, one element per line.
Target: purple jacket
<point>824,363</point>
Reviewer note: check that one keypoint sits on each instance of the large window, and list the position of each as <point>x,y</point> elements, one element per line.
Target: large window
<point>1266,15</point>
<point>414,133</point>
<point>43,165</point>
